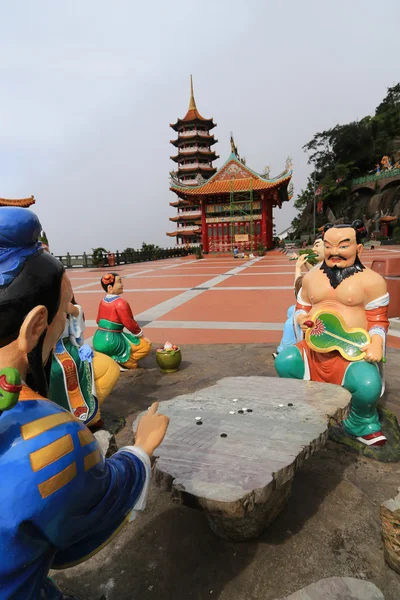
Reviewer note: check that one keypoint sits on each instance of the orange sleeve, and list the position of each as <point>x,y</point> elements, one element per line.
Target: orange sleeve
<point>378,317</point>
<point>306,307</point>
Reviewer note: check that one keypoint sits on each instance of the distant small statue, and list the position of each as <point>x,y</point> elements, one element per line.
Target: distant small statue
<point>289,163</point>
<point>267,172</point>
<point>377,221</point>
<point>386,163</point>
<point>233,146</point>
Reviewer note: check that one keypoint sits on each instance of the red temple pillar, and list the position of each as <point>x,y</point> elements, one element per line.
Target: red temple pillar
<point>270,240</point>
<point>263,220</point>
<point>204,231</point>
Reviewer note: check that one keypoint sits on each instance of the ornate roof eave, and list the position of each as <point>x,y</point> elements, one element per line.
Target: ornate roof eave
<point>180,202</point>
<point>388,219</point>
<point>258,181</point>
<point>188,233</point>
<point>210,139</point>
<point>174,182</point>
<point>193,118</point>
<point>22,202</point>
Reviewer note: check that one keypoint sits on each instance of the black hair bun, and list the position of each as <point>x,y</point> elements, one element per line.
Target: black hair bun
<point>357,224</point>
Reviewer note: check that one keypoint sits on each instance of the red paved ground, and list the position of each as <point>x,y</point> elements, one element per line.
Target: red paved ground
<point>216,315</point>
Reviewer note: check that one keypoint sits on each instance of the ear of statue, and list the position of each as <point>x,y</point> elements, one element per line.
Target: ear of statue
<point>360,249</point>
<point>109,289</point>
<point>35,323</point>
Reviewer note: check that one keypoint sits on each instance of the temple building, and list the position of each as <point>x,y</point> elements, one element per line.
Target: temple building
<point>224,208</point>
<point>23,202</point>
<point>194,166</point>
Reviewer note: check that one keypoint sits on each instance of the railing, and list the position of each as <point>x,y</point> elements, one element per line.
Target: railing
<point>189,213</point>
<point>193,132</point>
<point>376,177</point>
<point>194,165</point>
<point>195,149</point>
<point>121,258</point>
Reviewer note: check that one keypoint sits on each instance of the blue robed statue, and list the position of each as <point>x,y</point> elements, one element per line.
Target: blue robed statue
<point>61,499</point>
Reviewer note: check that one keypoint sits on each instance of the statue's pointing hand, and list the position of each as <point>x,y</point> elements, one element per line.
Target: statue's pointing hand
<point>151,429</point>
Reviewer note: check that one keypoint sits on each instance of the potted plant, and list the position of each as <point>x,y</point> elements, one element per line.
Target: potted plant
<point>260,250</point>
<point>169,358</point>
<point>98,257</point>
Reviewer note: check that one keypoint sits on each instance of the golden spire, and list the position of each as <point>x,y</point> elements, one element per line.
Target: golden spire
<point>192,103</point>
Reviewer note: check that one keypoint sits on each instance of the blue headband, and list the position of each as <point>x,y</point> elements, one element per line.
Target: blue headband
<point>19,232</point>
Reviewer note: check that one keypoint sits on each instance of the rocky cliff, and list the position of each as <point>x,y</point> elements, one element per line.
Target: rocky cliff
<point>362,204</point>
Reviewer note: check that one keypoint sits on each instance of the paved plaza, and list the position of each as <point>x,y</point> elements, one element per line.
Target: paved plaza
<point>209,301</point>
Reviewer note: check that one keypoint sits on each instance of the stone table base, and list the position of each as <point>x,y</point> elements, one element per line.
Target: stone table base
<point>338,588</point>
<point>390,518</point>
<point>239,467</point>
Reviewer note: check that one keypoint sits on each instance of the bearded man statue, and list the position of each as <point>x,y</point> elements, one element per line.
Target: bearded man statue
<point>343,285</point>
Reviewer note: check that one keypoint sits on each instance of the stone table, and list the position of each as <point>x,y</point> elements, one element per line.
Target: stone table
<point>239,467</point>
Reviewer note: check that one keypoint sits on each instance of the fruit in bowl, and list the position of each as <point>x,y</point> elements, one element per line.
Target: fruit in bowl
<point>169,358</point>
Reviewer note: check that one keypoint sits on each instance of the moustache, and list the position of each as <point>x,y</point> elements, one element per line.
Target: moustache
<point>337,256</point>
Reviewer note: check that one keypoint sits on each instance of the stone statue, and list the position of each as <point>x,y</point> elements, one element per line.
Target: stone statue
<point>377,221</point>
<point>62,501</point>
<point>289,164</point>
<point>356,302</point>
<point>115,314</point>
<point>80,379</point>
<point>267,172</point>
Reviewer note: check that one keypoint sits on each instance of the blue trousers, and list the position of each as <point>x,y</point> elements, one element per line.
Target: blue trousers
<point>289,336</point>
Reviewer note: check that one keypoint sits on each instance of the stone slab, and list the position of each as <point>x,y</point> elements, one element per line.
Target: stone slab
<point>390,519</point>
<point>239,467</point>
<point>338,588</point>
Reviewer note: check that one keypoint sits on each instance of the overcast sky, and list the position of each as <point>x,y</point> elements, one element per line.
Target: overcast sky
<point>89,87</point>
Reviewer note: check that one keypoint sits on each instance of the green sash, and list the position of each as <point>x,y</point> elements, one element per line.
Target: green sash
<point>71,382</point>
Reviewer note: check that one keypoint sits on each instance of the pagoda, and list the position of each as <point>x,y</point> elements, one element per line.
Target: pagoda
<point>22,202</point>
<point>194,167</point>
<point>235,205</point>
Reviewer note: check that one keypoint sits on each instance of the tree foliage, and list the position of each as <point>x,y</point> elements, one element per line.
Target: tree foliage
<point>347,151</point>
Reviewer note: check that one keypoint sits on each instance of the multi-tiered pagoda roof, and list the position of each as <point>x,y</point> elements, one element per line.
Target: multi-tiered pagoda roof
<point>194,161</point>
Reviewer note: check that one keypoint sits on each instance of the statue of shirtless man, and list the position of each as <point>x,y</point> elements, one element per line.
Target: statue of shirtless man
<point>344,285</point>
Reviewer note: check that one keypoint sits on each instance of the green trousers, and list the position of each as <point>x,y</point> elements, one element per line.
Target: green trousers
<point>362,380</point>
